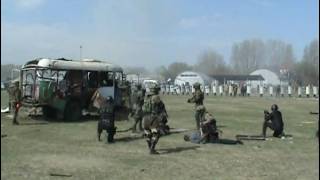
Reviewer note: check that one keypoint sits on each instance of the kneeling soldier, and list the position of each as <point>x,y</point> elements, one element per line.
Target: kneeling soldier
<point>276,123</point>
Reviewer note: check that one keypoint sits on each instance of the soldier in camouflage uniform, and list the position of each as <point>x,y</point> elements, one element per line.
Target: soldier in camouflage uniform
<point>137,108</point>
<point>197,98</point>
<point>153,120</point>
<point>15,100</point>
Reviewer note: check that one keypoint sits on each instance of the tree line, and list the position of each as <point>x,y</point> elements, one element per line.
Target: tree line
<point>250,55</point>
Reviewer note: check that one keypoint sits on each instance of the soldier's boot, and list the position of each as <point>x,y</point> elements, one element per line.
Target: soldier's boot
<point>111,134</point>
<point>149,143</point>
<point>140,125</point>
<point>154,142</point>
<point>134,127</point>
<point>15,123</point>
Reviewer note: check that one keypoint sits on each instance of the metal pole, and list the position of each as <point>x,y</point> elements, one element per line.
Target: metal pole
<point>80,52</point>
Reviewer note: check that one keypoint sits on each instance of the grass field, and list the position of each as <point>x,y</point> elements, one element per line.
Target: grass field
<point>33,150</point>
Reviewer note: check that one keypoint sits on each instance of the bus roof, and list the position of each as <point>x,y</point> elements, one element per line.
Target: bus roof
<point>66,64</point>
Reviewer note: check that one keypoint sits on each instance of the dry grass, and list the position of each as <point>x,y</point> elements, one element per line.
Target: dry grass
<point>34,151</point>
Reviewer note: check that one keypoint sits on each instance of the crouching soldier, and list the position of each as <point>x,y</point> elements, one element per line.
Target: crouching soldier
<point>208,129</point>
<point>276,123</point>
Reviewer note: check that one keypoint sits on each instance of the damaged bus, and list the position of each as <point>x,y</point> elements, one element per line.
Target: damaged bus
<point>63,88</point>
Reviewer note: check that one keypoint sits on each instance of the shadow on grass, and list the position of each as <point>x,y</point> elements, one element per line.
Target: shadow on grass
<point>177,149</point>
<point>34,123</point>
<point>128,138</point>
<point>229,142</point>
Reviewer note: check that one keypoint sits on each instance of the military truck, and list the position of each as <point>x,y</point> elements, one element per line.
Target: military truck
<point>63,88</point>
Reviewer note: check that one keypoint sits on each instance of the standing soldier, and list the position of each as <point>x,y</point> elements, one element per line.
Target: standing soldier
<point>198,100</point>
<point>299,91</point>
<point>154,117</point>
<point>16,101</point>
<point>207,89</point>
<point>187,89</point>
<point>214,89</point>
<point>137,108</point>
<point>168,89</point>
<point>183,89</point>
<point>106,121</point>
<point>289,90</point>
<point>271,90</point>
<point>315,91</point>
<point>10,90</point>
<point>308,90</point>
<point>261,90</point>
<point>235,89</point>
<point>220,90</point>
<point>230,90</point>
<point>248,87</point>
<point>278,90</point>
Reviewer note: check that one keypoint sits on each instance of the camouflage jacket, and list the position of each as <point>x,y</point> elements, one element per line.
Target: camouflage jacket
<point>197,98</point>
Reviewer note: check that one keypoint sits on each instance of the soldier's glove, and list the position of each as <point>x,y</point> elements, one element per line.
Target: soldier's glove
<point>266,112</point>
<point>188,101</point>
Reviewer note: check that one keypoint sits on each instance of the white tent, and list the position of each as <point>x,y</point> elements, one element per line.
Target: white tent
<point>270,78</point>
<point>191,77</point>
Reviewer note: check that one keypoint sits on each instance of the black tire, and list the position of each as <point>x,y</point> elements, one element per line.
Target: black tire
<point>49,112</point>
<point>73,111</point>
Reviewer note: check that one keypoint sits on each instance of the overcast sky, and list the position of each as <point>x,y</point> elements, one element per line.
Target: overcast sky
<point>149,33</point>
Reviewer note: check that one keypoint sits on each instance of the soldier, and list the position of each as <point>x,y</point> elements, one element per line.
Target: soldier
<point>10,90</point>
<point>276,123</point>
<point>15,100</point>
<point>197,98</point>
<point>106,121</point>
<point>209,132</point>
<point>154,118</point>
<point>207,89</point>
<point>183,89</point>
<point>235,89</point>
<point>137,107</point>
<point>243,90</point>
<point>187,88</point>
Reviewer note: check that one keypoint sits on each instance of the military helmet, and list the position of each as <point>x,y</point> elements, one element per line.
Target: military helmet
<point>196,85</point>
<point>274,107</point>
<point>156,99</point>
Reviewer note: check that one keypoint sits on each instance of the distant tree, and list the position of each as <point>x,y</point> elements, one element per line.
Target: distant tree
<point>279,55</point>
<point>210,62</point>
<point>173,70</point>
<point>136,70</point>
<point>248,56</point>
<point>177,67</point>
<point>6,70</point>
<point>307,71</point>
<point>253,54</point>
<point>163,72</point>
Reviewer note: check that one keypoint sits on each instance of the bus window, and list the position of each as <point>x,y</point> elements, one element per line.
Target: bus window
<point>93,79</point>
<point>106,78</point>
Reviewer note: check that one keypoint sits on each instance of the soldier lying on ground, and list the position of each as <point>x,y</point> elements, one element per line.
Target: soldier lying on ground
<point>209,132</point>
<point>276,123</point>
